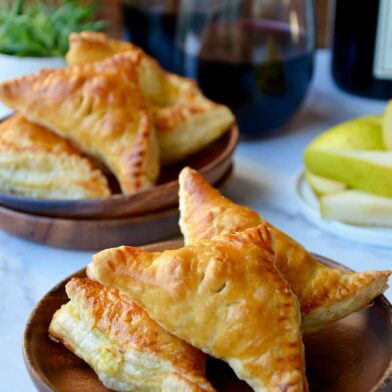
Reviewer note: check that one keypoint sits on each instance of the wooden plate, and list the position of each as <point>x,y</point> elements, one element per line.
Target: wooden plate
<point>352,355</point>
<point>96,234</point>
<point>213,162</point>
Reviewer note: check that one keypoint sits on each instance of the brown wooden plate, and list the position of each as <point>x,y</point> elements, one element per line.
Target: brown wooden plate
<point>352,355</point>
<point>96,234</point>
<point>213,162</point>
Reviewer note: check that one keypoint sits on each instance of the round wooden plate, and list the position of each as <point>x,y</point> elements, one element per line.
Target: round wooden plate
<point>96,234</point>
<point>213,162</point>
<point>352,355</point>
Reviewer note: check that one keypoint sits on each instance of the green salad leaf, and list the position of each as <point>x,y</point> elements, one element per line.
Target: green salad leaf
<point>41,28</point>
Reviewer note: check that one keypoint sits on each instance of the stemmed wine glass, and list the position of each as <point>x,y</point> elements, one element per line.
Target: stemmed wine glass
<point>255,56</point>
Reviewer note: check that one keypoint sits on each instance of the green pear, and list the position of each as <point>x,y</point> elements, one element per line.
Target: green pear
<point>362,133</point>
<point>356,207</point>
<point>370,171</point>
<point>387,126</point>
<point>322,185</point>
<point>354,154</point>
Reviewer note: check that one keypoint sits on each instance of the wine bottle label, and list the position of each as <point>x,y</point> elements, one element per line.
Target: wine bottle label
<point>382,64</point>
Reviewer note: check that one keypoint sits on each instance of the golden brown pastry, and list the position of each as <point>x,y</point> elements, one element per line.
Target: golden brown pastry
<point>37,163</point>
<point>91,46</point>
<point>100,108</point>
<point>127,350</point>
<point>325,294</point>
<point>223,296</point>
<point>185,120</point>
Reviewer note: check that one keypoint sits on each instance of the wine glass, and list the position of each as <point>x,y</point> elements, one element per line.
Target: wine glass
<point>256,56</point>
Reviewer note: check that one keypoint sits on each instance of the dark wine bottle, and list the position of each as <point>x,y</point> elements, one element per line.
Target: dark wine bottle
<point>362,47</point>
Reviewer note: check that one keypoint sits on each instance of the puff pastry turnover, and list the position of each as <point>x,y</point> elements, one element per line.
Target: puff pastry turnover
<point>35,162</point>
<point>127,350</point>
<point>185,120</point>
<point>325,294</point>
<point>100,108</point>
<point>223,296</point>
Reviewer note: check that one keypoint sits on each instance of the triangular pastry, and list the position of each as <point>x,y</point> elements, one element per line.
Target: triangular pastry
<point>185,120</point>
<point>37,163</point>
<point>223,296</point>
<point>127,350</point>
<point>325,294</point>
<point>100,108</point>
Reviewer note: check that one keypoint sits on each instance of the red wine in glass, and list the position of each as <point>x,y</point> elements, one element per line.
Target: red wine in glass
<point>262,73</point>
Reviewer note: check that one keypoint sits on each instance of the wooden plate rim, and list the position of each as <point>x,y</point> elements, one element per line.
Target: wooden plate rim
<point>39,379</point>
<point>96,234</point>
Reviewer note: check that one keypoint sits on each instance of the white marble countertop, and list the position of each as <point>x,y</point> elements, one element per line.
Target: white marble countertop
<point>264,178</point>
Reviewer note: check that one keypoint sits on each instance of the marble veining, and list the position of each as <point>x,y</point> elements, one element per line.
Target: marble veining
<point>264,177</point>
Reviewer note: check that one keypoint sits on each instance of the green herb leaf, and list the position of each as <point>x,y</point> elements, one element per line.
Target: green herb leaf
<point>42,28</point>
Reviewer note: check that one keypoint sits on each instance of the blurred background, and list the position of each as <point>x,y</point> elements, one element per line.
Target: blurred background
<point>111,10</point>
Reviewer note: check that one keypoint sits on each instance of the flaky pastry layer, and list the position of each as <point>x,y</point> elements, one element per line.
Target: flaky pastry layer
<point>37,163</point>
<point>100,108</point>
<point>185,120</point>
<point>325,294</point>
<point>224,296</point>
<point>127,350</point>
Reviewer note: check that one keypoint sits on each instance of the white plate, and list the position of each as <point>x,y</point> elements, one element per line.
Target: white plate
<point>370,235</point>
